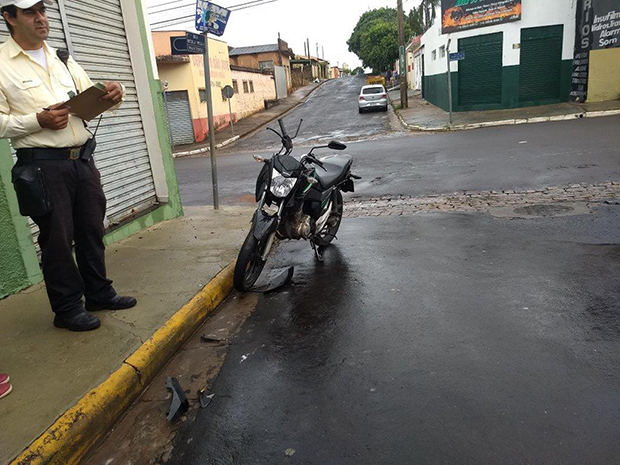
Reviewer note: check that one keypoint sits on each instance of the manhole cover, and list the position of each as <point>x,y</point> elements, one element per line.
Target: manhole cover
<point>541,210</point>
<point>544,210</point>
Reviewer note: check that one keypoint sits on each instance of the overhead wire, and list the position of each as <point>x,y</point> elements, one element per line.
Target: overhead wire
<point>186,18</point>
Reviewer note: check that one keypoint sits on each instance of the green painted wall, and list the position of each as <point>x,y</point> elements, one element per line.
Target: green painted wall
<point>19,266</point>
<point>436,90</point>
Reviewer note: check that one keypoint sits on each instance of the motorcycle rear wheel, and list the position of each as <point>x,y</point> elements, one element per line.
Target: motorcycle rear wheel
<point>249,265</point>
<point>329,233</point>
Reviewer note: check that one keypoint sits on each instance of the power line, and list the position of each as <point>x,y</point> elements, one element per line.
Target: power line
<point>194,4</point>
<point>166,3</point>
<point>183,19</point>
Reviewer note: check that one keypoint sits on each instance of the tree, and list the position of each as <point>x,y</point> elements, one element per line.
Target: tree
<point>415,19</point>
<point>428,9</point>
<point>375,38</point>
<point>358,71</point>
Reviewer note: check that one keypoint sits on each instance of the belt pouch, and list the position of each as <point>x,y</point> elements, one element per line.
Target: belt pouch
<point>32,195</point>
<point>88,149</point>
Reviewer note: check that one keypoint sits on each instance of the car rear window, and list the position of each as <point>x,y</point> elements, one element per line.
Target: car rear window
<point>372,90</point>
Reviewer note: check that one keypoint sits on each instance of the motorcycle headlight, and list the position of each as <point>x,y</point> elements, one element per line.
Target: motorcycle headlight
<point>281,186</point>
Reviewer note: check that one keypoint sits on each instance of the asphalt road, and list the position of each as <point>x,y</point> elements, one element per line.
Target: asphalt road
<point>430,338</point>
<point>510,157</point>
<point>438,338</point>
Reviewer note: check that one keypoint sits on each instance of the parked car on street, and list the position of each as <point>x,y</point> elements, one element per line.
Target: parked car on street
<point>373,97</point>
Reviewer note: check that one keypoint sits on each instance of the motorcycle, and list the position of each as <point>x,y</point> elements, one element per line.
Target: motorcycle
<point>297,199</point>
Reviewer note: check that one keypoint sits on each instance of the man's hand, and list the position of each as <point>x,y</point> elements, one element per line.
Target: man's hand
<point>114,91</point>
<point>54,119</point>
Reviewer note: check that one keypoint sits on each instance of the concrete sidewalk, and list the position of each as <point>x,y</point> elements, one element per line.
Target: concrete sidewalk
<point>424,116</point>
<point>51,369</point>
<point>246,126</point>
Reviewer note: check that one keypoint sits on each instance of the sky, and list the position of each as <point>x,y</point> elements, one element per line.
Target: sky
<point>326,22</point>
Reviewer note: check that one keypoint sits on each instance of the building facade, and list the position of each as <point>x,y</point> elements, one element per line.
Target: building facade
<point>111,41</point>
<point>264,57</point>
<point>185,92</point>
<point>526,61</point>
<point>253,88</point>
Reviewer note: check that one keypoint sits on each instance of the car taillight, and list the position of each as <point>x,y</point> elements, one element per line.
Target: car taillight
<point>383,95</point>
<point>362,97</point>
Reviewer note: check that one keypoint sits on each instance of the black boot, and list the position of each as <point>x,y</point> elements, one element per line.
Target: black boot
<point>81,322</point>
<point>117,303</point>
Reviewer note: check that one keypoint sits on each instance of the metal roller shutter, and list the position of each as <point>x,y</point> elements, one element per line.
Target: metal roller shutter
<point>180,117</point>
<point>99,42</point>
<point>541,64</point>
<point>57,40</point>
<point>480,73</point>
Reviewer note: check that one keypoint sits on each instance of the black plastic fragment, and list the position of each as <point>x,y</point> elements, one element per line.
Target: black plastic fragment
<point>179,403</point>
<point>205,399</point>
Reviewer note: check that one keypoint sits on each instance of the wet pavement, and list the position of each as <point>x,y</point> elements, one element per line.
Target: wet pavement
<point>482,337</point>
<point>514,157</point>
<point>331,112</point>
<point>434,338</point>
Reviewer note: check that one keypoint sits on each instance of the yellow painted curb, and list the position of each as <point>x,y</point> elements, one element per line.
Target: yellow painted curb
<point>68,440</point>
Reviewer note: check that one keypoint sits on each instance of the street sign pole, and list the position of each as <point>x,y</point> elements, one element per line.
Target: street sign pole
<point>216,198</point>
<point>449,77</point>
<point>404,101</point>
<point>232,123</point>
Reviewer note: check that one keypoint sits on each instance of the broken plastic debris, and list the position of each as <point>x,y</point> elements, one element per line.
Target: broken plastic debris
<point>179,403</point>
<point>276,281</point>
<point>205,399</point>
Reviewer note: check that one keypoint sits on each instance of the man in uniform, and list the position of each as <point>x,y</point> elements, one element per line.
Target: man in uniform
<point>55,178</point>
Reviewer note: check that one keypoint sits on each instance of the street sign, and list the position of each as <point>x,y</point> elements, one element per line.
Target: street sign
<point>195,43</point>
<point>211,18</point>
<point>228,92</point>
<point>457,56</point>
<point>190,44</point>
<point>403,62</point>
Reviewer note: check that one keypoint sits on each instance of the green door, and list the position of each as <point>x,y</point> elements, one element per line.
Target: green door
<point>541,64</point>
<point>480,73</point>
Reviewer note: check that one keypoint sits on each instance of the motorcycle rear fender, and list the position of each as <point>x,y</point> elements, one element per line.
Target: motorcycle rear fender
<point>263,225</point>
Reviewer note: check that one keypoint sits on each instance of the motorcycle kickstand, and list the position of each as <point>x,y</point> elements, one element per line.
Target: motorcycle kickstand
<point>317,252</point>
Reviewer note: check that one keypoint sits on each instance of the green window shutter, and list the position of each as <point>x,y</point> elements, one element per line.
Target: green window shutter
<point>480,73</point>
<point>540,70</point>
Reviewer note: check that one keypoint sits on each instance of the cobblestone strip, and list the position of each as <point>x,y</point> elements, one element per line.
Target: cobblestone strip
<point>398,205</point>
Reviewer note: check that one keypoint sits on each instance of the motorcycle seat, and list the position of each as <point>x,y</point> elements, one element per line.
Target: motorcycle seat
<point>336,169</point>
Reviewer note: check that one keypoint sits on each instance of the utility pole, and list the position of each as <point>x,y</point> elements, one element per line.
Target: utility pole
<point>404,102</point>
<point>308,48</point>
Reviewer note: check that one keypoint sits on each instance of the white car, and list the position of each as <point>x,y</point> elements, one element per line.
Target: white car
<point>373,97</point>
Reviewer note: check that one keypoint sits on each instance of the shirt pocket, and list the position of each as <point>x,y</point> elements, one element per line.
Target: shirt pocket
<point>66,81</point>
<point>31,92</point>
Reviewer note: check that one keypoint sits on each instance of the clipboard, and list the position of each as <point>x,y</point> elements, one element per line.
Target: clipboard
<point>88,104</point>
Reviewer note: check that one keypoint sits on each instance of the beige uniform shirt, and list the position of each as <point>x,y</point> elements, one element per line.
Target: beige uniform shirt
<point>26,88</point>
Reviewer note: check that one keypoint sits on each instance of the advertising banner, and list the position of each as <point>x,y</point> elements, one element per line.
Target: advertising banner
<point>598,27</point>
<point>606,24</point>
<point>460,15</point>
<point>211,18</point>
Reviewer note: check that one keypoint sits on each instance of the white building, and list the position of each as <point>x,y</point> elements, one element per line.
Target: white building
<point>526,61</point>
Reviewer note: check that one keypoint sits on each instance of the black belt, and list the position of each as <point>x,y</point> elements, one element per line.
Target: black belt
<point>70,153</point>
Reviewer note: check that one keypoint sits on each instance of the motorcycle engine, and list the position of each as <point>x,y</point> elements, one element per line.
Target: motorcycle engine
<point>302,228</point>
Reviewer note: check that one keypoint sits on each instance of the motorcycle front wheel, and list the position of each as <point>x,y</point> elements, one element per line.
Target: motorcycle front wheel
<point>249,265</point>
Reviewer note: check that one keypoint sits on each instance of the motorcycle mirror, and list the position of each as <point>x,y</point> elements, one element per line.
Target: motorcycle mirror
<point>335,145</point>
<point>258,158</point>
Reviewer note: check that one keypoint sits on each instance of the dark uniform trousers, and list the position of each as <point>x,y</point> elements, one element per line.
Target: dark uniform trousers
<point>79,206</point>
